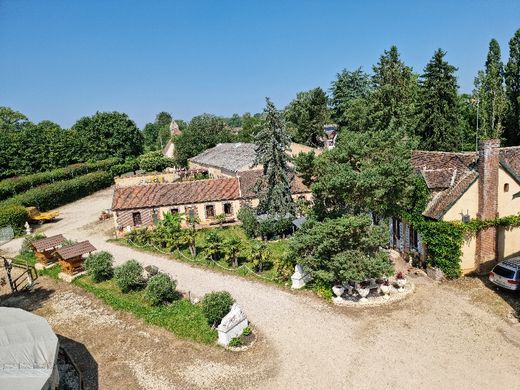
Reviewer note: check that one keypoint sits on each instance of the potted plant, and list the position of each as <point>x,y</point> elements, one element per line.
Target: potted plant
<point>385,288</point>
<point>338,290</point>
<point>400,280</point>
<point>363,291</point>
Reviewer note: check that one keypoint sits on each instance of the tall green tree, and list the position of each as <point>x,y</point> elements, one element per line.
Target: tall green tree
<point>394,96</point>
<point>271,152</point>
<point>349,94</point>
<point>108,134</point>
<point>491,94</point>
<point>204,132</point>
<point>162,122</point>
<point>513,91</point>
<point>251,125</point>
<point>308,113</point>
<point>438,125</point>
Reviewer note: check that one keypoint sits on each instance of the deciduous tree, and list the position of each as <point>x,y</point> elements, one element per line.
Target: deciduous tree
<point>513,91</point>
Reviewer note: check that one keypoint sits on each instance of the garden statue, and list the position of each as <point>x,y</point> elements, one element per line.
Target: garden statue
<point>232,325</point>
<point>27,228</point>
<point>299,278</point>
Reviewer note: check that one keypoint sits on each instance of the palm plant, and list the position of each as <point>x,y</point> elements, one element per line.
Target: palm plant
<point>260,255</point>
<point>213,247</point>
<point>231,249</point>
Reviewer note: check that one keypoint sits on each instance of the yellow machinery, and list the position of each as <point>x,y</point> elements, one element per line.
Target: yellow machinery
<point>36,215</point>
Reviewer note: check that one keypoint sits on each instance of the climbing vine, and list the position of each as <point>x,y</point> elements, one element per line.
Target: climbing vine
<point>444,239</point>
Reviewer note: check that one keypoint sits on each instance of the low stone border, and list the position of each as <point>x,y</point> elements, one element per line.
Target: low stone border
<point>69,278</point>
<point>394,296</point>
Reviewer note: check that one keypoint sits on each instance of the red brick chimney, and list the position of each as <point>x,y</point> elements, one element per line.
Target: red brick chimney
<point>488,162</point>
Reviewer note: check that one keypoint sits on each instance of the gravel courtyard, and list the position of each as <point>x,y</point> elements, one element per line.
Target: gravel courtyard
<point>452,336</point>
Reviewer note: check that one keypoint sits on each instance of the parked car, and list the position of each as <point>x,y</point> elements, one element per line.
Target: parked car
<point>506,274</point>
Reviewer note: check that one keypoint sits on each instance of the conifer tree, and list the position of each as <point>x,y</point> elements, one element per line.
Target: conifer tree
<point>438,125</point>
<point>492,94</point>
<point>349,92</point>
<point>513,91</point>
<point>272,141</point>
<point>393,101</point>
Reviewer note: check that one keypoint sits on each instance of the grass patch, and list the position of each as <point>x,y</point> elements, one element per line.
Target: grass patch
<point>30,258</point>
<point>181,317</point>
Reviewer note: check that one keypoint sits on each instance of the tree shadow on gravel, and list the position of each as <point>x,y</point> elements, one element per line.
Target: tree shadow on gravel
<point>28,300</point>
<point>83,361</point>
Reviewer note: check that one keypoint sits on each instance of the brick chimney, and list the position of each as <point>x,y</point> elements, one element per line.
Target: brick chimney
<point>488,162</point>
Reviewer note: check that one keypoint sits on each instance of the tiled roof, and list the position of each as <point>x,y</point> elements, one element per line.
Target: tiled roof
<point>48,242</point>
<point>443,200</point>
<point>443,160</point>
<point>75,250</point>
<point>231,157</point>
<point>511,158</point>
<point>187,192</point>
<point>248,180</point>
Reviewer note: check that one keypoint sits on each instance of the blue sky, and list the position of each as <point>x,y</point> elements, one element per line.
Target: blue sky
<point>62,60</point>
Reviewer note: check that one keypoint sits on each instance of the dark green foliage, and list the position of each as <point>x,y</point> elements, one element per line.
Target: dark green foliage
<point>213,248</point>
<point>307,114</point>
<point>130,165</point>
<point>50,196</point>
<point>108,134</point>
<point>274,226</point>
<point>350,92</point>
<point>216,305</point>
<point>305,164</point>
<point>259,255</point>
<point>203,132</point>
<point>438,125</point>
<point>99,266</point>
<point>271,152</point>
<point>393,100</point>
<point>366,172</point>
<point>13,215</point>
<point>251,125</point>
<point>231,248</point>
<point>154,162</point>
<point>247,216</point>
<point>129,276</point>
<point>15,185</point>
<point>160,289</point>
<point>512,75</point>
<point>341,249</point>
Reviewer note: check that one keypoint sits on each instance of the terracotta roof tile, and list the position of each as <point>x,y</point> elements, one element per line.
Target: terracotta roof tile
<point>75,250</point>
<point>48,242</point>
<point>248,180</point>
<point>187,192</point>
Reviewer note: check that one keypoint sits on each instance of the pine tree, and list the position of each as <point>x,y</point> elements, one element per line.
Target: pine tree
<point>272,142</point>
<point>492,95</point>
<point>438,125</point>
<point>393,101</point>
<point>348,90</point>
<point>513,91</point>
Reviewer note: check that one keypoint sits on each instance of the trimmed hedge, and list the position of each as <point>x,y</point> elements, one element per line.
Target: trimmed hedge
<point>13,215</point>
<point>127,166</point>
<point>16,185</point>
<point>50,196</point>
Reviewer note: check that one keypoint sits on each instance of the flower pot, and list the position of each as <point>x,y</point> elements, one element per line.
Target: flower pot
<point>338,290</point>
<point>385,289</point>
<point>401,283</point>
<point>363,293</point>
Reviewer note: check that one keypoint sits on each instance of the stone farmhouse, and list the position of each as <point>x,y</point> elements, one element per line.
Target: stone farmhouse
<point>464,186</point>
<point>145,204</point>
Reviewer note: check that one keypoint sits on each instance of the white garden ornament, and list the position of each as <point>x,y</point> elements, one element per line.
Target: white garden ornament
<point>232,325</point>
<point>299,278</point>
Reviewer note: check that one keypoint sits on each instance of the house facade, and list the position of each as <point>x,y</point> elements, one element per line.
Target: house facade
<point>470,185</point>
<point>145,204</point>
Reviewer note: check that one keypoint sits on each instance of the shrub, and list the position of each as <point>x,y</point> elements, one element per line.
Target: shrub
<point>216,305</point>
<point>270,227</point>
<point>16,185</point>
<point>247,216</point>
<point>99,266</point>
<point>13,215</point>
<point>154,162</point>
<point>129,276</point>
<point>49,196</point>
<point>160,289</point>
<point>128,166</point>
<point>26,247</point>
<point>247,331</point>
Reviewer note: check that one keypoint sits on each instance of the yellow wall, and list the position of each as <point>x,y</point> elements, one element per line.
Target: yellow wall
<point>506,204</point>
<point>201,209</point>
<point>467,203</point>
<point>469,249</point>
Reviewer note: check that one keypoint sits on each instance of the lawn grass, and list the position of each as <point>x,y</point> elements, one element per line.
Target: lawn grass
<point>30,258</point>
<point>181,317</point>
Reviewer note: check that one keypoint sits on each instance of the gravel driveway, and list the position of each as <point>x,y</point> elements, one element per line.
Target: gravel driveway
<point>436,338</point>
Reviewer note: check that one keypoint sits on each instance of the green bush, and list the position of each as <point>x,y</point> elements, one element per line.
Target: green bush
<point>247,216</point>
<point>26,247</point>
<point>16,185</point>
<point>49,196</point>
<point>160,289</point>
<point>99,266</point>
<point>127,166</point>
<point>129,276</point>
<point>13,215</point>
<point>247,331</point>
<point>154,162</point>
<point>216,305</point>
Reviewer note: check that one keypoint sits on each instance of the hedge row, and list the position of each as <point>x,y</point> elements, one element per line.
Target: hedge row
<point>127,166</point>
<point>16,185</point>
<point>13,215</point>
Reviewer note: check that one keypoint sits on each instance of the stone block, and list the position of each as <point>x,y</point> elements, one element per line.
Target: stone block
<point>69,278</point>
<point>232,325</point>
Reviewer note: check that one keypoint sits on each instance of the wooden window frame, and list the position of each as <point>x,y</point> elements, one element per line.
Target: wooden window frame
<point>206,211</point>
<point>136,216</point>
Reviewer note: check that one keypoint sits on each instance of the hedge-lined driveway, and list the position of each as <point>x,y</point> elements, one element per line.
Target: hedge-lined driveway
<point>437,338</point>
